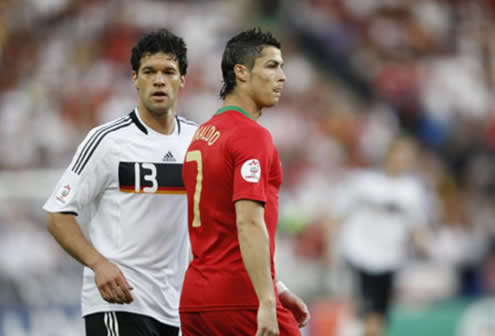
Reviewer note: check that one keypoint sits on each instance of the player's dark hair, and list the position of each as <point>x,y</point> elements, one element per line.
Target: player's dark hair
<point>160,41</point>
<point>243,49</point>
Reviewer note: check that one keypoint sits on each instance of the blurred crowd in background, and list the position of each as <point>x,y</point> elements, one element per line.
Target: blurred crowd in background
<point>361,74</point>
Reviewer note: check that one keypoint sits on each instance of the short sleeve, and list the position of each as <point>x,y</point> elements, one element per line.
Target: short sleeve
<point>252,152</point>
<point>87,175</point>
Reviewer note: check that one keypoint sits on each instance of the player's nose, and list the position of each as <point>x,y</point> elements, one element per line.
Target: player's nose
<point>159,79</point>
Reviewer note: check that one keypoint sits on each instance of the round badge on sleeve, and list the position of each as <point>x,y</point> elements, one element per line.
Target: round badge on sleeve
<point>251,171</point>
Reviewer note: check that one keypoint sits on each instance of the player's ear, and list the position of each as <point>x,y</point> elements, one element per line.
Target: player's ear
<point>241,72</point>
<point>182,81</point>
<point>134,79</point>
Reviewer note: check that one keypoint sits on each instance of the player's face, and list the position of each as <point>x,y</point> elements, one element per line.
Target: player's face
<point>267,78</point>
<point>158,82</point>
<point>401,158</point>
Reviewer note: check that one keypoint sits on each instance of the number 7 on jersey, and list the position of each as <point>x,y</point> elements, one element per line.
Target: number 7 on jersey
<point>195,155</point>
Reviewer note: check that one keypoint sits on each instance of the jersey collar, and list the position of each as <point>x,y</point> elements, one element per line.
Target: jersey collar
<point>234,108</point>
<point>135,118</point>
<point>147,130</point>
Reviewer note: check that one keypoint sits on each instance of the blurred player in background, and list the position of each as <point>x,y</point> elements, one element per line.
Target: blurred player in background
<point>232,174</point>
<point>125,187</point>
<point>379,211</point>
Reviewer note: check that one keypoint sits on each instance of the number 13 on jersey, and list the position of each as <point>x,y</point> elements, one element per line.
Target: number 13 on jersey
<point>195,155</point>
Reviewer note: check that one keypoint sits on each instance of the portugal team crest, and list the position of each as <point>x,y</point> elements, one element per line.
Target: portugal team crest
<point>251,171</point>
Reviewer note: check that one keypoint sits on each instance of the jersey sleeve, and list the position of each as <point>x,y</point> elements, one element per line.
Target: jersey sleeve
<point>87,175</point>
<point>252,152</point>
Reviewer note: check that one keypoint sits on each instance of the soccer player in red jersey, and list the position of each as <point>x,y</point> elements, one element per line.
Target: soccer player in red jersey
<point>232,176</point>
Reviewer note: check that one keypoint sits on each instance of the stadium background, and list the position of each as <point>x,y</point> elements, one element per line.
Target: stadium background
<point>360,72</point>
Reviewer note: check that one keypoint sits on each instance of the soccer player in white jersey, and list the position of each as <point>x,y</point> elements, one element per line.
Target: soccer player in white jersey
<point>380,211</point>
<point>120,206</point>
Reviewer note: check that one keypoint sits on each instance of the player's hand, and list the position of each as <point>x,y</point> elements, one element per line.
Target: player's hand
<point>267,320</point>
<point>296,306</point>
<point>111,282</point>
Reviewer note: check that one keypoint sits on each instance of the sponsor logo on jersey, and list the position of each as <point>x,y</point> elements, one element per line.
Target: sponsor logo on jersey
<point>64,193</point>
<point>251,171</point>
<point>168,157</point>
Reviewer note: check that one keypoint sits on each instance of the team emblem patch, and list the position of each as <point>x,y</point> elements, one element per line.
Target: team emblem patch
<point>251,171</point>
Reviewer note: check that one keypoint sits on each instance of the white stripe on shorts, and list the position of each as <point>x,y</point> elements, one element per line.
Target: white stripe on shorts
<point>109,323</point>
<point>115,324</point>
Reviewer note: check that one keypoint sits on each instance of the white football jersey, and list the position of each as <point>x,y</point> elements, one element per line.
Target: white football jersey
<point>377,213</point>
<point>125,185</point>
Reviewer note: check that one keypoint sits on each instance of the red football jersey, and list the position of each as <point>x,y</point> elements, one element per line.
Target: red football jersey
<point>230,158</point>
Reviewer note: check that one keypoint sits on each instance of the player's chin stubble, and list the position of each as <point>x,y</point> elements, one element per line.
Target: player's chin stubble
<point>157,111</point>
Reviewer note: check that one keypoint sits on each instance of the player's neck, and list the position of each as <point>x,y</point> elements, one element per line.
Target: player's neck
<point>392,171</point>
<point>245,103</point>
<point>164,124</point>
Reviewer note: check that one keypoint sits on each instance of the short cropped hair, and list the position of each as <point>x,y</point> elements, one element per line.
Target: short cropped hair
<point>243,49</point>
<point>160,41</point>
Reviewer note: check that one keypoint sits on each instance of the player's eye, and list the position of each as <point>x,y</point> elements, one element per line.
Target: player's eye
<point>170,71</point>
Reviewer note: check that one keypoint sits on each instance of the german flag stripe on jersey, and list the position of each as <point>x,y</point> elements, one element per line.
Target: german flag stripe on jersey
<point>151,177</point>
<point>163,190</point>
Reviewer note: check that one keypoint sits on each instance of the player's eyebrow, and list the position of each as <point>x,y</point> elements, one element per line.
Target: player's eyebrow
<point>148,67</point>
<point>166,68</point>
<point>276,62</point>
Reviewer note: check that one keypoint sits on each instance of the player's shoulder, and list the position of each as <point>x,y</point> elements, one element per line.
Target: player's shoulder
<point>262,133</point>
<point>96,142</point>
<point>186,124</point>
<point>98,137</point>
<point>365,177</point>
<point>247,136</point>
<point>253,129</point>
<point>107,128</point>
<point>413,185</point>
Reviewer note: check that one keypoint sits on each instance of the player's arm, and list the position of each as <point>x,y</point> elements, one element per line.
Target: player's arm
<point>111,282</point>
<point>293,303</point>
<point>88,175</point>
<point>419,218</point>
<point>420,241</point>
<point>255,251</point>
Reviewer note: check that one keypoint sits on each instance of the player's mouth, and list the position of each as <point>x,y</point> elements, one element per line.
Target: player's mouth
<point>159,95</point>
<point>277,91</point>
